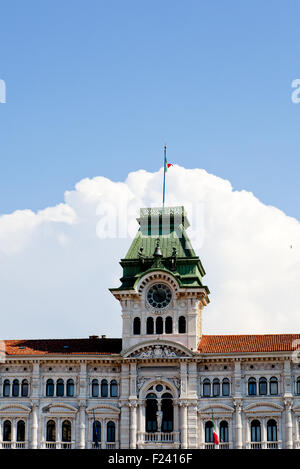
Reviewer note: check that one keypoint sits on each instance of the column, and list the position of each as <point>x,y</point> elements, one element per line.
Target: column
<point>124,425</point>
<point>34,426</point>
<point>183,424</point>
<point>201,439</point>
<point>192,425</point>
<point>176,421</point>
<point>14,433</point>
<point>141,421</point>
<point>81,442</point>
<point>288,424</point>
<point>133,429</point>
<point>124,409</point>
<point>104,433</point>
<point>264,433</point>
<point>58,433</point>
<point>248,434</point>
<point>238,425</point>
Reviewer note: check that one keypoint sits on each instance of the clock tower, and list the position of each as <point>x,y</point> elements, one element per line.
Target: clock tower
<point>161,292</point>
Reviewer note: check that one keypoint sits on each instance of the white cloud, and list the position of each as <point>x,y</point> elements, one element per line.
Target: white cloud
<point>56,265</point>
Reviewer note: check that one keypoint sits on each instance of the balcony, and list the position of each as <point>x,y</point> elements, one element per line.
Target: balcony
<point>159,440</point>
<point>264,445</point>
<point>220,446</point>
<point>58,445</point>
<point>13,445</point>
<point>110,445</point>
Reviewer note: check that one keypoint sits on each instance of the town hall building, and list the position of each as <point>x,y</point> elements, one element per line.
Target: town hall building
<point>165,383</point>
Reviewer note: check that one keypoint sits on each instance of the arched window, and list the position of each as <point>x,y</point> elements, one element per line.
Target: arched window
<point>50,388</point>
<point>113,388</point>
<point>206,388</point>
<point>60,388</point>
<point>21,430</point>
<point>150,326</point>
<point>273,385</point>
<point>15,388</point>
<point>167,412</point>
<point>7,430</point>
<point>136,326</point>
<point>209,437</point>
<point>51,431</point>
<point>216,387</point>
<point>252,387</point>
<point>224,432</point>
<point>298,386</point>
<point>225,387</point>
<point>169,325</point>
<point>66,432</point>
<point>159,325</point>
<point>111,432</point>
<point>70,388</point>
<point>97,432</point>
<point>151,409</point>
<point>255,431</point>
<point>104,388</point>
<point>182,325</point>
<point>262,386</point>
<point>95,388</point>
<point>272,430</point>
<point>24,388</point>
<point>6,388</point>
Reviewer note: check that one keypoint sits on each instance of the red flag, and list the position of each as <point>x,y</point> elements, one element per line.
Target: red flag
<point>215,436</point>
<point>169,165</point>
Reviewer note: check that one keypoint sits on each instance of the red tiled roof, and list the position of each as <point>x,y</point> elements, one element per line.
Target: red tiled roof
<point>248,343</point>
<point>62,346</point>
<point>95,346</point>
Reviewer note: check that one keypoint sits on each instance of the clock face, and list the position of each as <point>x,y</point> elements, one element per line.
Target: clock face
<point>159,296</point>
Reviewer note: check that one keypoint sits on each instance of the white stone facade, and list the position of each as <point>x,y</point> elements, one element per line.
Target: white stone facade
<point>183,376</point>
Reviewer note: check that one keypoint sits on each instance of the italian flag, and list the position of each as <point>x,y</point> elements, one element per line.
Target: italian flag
<point>167,165</point>
<point>215,436</point>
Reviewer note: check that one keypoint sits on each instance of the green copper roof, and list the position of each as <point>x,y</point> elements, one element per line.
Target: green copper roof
<point>161,243</point>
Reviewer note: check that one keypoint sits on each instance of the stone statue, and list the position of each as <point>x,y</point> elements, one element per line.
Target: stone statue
<point>159,416</point>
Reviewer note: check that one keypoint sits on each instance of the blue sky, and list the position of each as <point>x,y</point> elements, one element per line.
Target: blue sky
<point>97,87</point>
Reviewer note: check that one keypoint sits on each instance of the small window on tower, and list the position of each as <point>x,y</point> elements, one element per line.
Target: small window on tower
<point>169,325</point>
<point>136,326</point>
<point>182,325</point>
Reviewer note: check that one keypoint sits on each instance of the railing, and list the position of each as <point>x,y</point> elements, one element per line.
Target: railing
<point>160,437</point>
<point>13,445</point>
<point>273,445</point>
<point>257,445</point>
<point>94,446</point>
<point>104,445</point>
<point>111,446</point>
<point>224,446</point>
<point>58,445</point>
<point>264,444</point>
<point>209,446</point>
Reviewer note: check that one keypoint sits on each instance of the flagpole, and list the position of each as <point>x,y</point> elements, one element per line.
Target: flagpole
<point>165,165</point>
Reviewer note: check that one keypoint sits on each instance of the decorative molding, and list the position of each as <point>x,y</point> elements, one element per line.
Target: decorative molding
<point>158,349</point>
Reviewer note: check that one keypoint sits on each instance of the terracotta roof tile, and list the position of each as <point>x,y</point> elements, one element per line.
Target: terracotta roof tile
<point>248,343</point>
<point>209,344</point>
<point>62,346</point>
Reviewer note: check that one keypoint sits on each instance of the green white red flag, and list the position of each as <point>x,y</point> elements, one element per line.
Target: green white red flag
<point>215,435</point>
